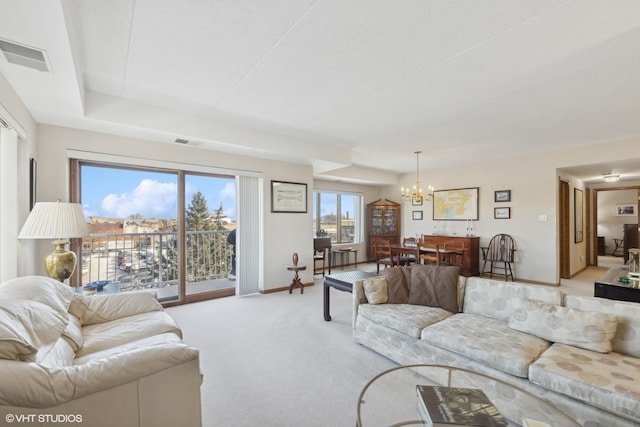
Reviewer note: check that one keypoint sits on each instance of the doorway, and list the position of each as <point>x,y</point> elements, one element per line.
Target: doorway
<point>615,215</point>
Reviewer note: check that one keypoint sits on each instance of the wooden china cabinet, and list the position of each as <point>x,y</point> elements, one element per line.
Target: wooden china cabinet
<point>383,221</point>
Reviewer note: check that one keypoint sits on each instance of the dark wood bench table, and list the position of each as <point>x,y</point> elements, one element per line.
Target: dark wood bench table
<point>342,282</point>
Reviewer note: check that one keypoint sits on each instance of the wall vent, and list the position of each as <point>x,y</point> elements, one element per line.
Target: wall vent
<point>25,56</point>
<point>182,141</point>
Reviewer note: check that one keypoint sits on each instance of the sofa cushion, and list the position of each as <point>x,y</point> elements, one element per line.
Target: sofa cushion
<point>104,308</point>
<point>488,341</point>
<point>406,318</point>
<point>435,286</point>
<point>27,325</point>
<point>493,298</point>
<point>588,330</point>
<point>153,340</point>
<point>101,336</point>
<point>375,289</point>
<point>398,280</point>
<point>43,289</point>
<point>627,337</point>
<point>609,381</point>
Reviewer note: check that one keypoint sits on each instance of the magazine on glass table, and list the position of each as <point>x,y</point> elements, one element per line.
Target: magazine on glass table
<point>456,406</point>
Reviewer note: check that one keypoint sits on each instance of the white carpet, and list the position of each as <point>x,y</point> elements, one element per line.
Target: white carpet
<point>273,360</point>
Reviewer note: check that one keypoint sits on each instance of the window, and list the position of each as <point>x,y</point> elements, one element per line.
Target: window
<point>158,228</point>
<point>337,215</point>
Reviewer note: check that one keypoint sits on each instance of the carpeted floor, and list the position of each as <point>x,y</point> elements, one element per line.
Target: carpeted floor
<point>272,360</point>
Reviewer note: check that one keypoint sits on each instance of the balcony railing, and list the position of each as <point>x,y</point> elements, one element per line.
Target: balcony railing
<point>150,260</point>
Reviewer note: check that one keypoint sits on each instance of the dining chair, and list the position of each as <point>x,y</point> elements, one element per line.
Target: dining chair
<point>458,248</point>
<point>499,254</point>
<point>429,253</point>
<point>411,255</point>
<point>382,252</point>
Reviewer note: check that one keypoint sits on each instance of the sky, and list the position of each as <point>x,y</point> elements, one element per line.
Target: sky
<point>113,192</point>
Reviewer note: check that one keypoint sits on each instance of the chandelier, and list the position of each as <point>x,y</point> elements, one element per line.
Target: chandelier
<point>417,195</point>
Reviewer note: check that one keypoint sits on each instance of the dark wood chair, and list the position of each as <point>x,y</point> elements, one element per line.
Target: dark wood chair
<point>408,257</point>
<point>458,250</point>
<point>321,252</point>
<point>500,254</point>
<point>429,253</point>
<point>383,254</point>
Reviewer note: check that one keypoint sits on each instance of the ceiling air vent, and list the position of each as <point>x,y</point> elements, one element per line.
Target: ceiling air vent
<point>182,141</point>
<point>25,56</point>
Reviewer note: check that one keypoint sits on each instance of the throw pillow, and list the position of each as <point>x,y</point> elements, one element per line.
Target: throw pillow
<point>398,280</point>
<point>584,329</point>
<point>103,308</point>
<point>375,290</point>
<point>434,286</point>
<point>26,326</point>
<point>43,289</point>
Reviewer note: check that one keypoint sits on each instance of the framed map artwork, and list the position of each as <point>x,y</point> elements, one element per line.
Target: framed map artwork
<point>459,204</point>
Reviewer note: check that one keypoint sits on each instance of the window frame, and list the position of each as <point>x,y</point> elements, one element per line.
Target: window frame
<point>358,217</point>
<point>183,297</point>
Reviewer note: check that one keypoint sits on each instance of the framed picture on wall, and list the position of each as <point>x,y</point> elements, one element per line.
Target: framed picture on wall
<point>578,215</point>
<point>416,215</point>
<point>502,196</point>
<point>626,210</point>
<point>502,213</point>
<point>288,197</point>
<point>33,182</point>
<point>457,204</point>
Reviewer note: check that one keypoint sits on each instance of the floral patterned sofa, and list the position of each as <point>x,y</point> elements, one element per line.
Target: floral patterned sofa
<point>580,353</point>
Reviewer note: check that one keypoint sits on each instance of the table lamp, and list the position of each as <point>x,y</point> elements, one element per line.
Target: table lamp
<point>59,221</point>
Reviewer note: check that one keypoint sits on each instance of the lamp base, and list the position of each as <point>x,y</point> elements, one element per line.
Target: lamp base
<point>60,263</point>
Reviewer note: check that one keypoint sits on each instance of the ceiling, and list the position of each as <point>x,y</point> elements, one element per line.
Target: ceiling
<point>350,87</point>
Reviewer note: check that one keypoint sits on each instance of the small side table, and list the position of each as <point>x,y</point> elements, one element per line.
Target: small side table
<point>618,243</point>
<point>296,282</point>
<point>342,253</point>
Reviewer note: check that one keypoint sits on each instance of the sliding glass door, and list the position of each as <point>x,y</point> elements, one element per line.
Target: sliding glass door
<point>210,224</point>
<point>166,230</point>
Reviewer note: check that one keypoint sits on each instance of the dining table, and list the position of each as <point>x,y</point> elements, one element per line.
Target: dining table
<point>398,250</point>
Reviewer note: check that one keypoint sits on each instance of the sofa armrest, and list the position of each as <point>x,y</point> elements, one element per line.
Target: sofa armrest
<point>125,367</point>
<point>31,385</point>
<point>359,297</point>
<point>103,308</point>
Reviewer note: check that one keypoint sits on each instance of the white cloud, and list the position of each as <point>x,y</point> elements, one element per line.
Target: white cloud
<point>228,191</point>
<point>88,211</point>
<point>228,195</point>
<point>151,199</point>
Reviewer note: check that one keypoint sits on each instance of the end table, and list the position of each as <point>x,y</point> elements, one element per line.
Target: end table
<point>296,283</point>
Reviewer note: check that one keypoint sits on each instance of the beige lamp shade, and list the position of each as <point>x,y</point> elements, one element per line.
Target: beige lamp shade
<point>59,221</point>
<point>54,220</point>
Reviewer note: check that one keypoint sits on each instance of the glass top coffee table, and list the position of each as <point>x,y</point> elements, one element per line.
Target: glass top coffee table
<point>390,399</point>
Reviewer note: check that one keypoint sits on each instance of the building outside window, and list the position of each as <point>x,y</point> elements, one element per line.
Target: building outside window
<point>338,215</point>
